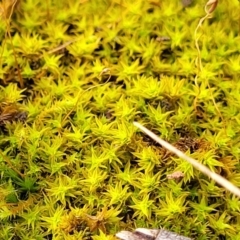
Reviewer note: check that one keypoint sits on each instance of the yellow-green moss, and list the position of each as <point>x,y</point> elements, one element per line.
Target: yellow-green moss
<point>83,71</point>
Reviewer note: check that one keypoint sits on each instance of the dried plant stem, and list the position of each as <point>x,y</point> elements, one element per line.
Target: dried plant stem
<point>80,94</point>
<point>8,161</point>
<point>209,8</point>
<point>7,14</point>
<point>62,46</point>
<point>217,178</point>
<point>213,5</point>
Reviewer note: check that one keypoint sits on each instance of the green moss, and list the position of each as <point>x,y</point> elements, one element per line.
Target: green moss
<point>75,75</point>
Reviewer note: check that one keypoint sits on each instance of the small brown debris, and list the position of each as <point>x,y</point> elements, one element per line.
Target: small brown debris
<point>176,175</point>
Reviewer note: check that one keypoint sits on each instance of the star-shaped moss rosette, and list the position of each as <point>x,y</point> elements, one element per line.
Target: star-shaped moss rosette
<point>74,77</point>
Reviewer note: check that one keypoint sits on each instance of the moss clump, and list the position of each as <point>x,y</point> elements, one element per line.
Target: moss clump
<point>74,76</point>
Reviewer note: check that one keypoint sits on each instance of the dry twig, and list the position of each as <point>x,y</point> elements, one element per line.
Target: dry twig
<point>217,178</point>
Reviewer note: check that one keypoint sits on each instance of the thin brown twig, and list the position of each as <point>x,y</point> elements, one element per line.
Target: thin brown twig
<point>11,165</point>
<point>209,8</point>
<point>80,94</point>
<point>214,176</point>
<point>7,20</point>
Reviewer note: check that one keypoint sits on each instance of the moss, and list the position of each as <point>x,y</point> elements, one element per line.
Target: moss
<point>75,75</point>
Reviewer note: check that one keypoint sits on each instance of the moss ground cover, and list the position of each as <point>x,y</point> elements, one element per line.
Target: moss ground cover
<point>75,75</point>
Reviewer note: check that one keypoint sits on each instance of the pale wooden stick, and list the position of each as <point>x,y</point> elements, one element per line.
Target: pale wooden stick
<point>217,178</point>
